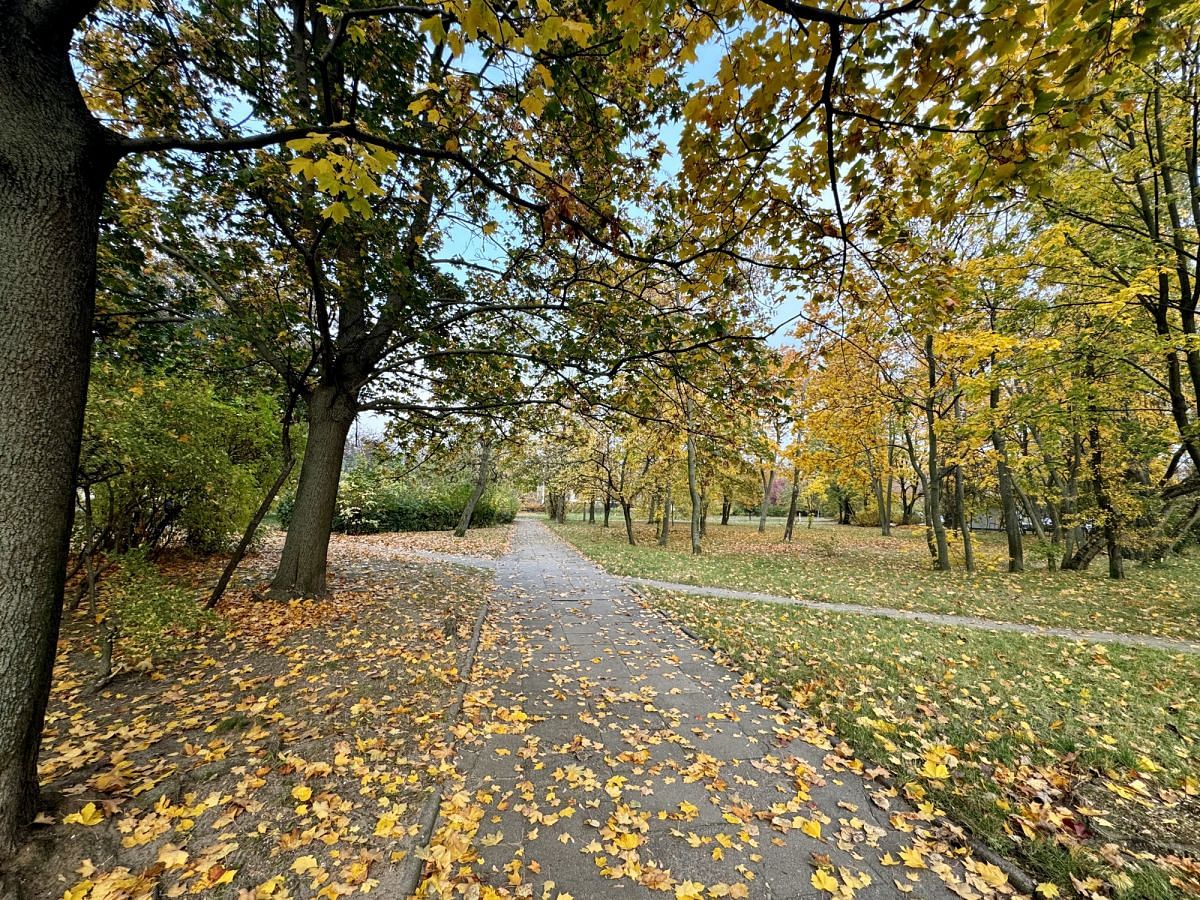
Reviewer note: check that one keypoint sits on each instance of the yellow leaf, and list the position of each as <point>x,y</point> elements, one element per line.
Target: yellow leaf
<point>811,827</point>
<point>689,890</point>
<point>89,815</point>
<point>824,881</point>
<point>304,864</point>
<point>1048,889</point>
<point>302,792</point>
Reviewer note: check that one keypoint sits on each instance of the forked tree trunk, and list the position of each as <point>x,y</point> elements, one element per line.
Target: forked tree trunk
<point>301,571</point>
<point>481,480</point>
<point>53,169</point>
<point>627,512</point>
<point>768,483</point>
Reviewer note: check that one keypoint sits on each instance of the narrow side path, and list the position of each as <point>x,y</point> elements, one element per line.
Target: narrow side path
<point>605,754</point>
<point>929,618</point>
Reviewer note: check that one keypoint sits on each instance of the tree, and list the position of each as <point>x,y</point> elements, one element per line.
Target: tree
<point>146,91</point>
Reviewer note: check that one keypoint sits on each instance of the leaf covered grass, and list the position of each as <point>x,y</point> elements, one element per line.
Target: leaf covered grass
<point>283,750</point>
<point>846,564</point>
<point>1079,759</point>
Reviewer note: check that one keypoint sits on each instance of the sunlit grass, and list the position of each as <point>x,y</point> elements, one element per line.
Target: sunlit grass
<point>857,565</point>
<point>1052,748</point>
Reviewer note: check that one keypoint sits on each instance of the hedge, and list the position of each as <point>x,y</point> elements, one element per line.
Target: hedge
<point>370,502</point>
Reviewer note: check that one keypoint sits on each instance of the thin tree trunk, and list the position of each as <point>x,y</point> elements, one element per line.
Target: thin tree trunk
<point>1008,506</point>
<point>664,532</point>
<point>592,511</point>
<point>885,524</point>
<point>239,553</point>
<point>964,519</point>
<point>933,489</point>
<point>793,505</point>
<point>89,548</point>
<point>881,505</point>
<point>607,508</point>
<point>694,492</point>
<point>653,515</point>
<point>301,571</point>
<point>53,169</point>
<point>481,479</point>
<point>726,508</point>
<point>1108,513</point>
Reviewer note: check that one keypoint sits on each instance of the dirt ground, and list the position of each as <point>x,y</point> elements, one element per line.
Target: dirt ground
<point>284,750</point>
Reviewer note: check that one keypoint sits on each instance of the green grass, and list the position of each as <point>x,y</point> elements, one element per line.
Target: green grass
<point>857,565</point>
<point>1040,737</point>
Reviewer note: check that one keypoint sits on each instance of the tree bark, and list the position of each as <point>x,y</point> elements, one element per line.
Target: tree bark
<point>592,511</point>
<point>301,571</point>
<point>53,169</point>
<point>607,509</point>
<point>481,480</point>
<point>726,508</point>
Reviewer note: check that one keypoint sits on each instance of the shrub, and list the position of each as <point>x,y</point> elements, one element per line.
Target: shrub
<point>151,616</point>
<point>173,462</point>
<point>371,501</point>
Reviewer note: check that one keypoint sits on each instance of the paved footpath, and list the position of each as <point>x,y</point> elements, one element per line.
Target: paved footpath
<point>979,623</point>
<point>605,754</point>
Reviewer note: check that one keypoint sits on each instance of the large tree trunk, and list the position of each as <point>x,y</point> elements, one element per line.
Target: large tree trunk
<point>301,571</point>
<point>53,169</point>
<point>481,480</point>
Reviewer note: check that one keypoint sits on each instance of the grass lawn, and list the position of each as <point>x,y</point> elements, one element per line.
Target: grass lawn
<point>1079,760</point>
<point>857,565</point>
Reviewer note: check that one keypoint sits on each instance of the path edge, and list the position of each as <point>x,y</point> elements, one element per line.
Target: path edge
<point>414,864</point>
<point>1018,877</point>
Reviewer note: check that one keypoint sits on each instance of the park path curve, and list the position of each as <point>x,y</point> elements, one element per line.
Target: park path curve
<point>603,752</point>
<point>951,620</point>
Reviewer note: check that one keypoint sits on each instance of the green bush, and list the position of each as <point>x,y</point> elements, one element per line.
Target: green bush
<point>152,616</point>
<point>173,461</point>
<point>370,501</point>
